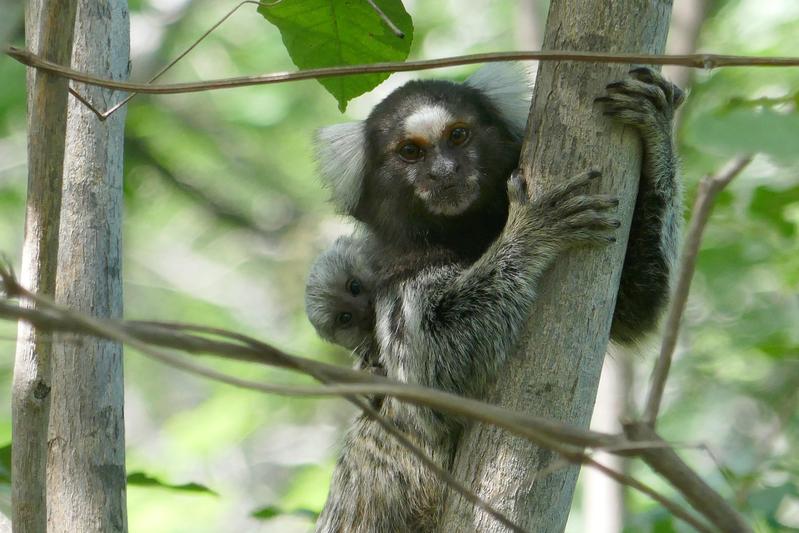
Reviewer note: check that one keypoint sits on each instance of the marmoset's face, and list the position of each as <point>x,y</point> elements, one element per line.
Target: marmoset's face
<point>339,295</point>
<point>434,142</point>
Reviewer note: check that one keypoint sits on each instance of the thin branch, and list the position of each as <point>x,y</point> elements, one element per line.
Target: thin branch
<point>586,458</point>
<point>57,316</point>
<point>667,503</point>
<point>442,474</point>
<point>709,187</point>
<point>534,428</point>
<point>118,331</point>
<point>103,115</point>
<point>705,61</point>
<point>401,391</point>
<point>387,426</point>
<point>351,382</point>
<point>699,494</point>
<point>393,27</point>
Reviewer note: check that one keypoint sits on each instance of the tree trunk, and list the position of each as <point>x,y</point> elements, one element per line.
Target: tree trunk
<point>48,27</point>
<point>557,369</point>
<point>86,461</point>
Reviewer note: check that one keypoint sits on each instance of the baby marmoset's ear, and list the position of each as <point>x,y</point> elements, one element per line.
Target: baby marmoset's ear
<point>509,86</point>
<point>341,156</point>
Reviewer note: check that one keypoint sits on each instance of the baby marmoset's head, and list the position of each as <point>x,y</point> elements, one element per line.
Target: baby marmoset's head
<point>339,293</point>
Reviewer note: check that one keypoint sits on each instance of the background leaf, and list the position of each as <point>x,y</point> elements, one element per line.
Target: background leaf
<point>144,480</point>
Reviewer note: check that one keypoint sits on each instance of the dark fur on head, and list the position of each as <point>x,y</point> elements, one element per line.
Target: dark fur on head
<point>453,194</point>
<point>389,202</point>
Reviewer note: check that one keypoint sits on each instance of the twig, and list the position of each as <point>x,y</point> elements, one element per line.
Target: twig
<point>586,458</point>
<point>348,381</point>
<point>705,61</point>
<point>387,426</point>
<point>119,331</point>
<point>54,316</point>
<point>699,494</point>
<point>667,503</point>
<point>709,187</point>
<point>125,332</point>
<point>103,115</point>
<point>393,27</point>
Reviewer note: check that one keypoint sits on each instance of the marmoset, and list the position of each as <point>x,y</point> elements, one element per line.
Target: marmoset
<point>428,171</point>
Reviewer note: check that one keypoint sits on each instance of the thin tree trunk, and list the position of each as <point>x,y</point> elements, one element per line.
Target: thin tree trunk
<point>48,27</point>
<point>86,461</point>
<point>558,367</point>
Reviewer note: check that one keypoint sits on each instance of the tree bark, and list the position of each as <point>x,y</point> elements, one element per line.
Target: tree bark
<point>86,461</point>
<point>48,27</point>
<point>556,371</point>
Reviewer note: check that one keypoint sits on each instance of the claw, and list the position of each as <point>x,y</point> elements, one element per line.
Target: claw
<point>516,184</point>
<point>602,99</point>
<point>642,71</point>
<point>593,174</point>
<point>615,85</point>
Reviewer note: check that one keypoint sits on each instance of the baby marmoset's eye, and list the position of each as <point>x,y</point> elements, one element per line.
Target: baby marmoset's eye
<point>344,319</point>
<point>354,286</point>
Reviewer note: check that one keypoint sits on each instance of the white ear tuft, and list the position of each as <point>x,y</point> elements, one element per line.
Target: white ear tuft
<point>509,86</point>
<point>341,154</point>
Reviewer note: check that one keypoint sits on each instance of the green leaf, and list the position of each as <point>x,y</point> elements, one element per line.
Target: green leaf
<point>144,480</point>
<point>328,33</point>
<point>5,463</point>
<point>770,204</point>
<point>271,512</point>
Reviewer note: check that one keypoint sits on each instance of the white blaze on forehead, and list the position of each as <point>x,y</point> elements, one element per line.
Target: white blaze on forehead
<point>428,122</point>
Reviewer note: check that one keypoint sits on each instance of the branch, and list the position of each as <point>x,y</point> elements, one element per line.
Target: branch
<point>57,317</point>
<point>103,115</point>
<point>699,494</point>
<point>543,432</point>
<point>709,187</point>
<point>349,382</point>
<point>668,504</point>
<point>703,61</point>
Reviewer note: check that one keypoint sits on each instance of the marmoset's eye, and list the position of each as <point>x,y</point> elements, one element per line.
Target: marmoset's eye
<point>354,286</point>
<point>459,135</point>
<point>343,319</point>
<point>410,152</point>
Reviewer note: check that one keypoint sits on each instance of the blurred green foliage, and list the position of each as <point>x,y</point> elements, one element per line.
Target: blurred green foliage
<point>224,214</point>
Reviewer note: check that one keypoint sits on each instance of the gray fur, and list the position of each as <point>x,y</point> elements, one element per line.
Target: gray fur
<point>510,87</point>
<point>451,328</point>
<point>341,157</point>
<point>450,325</point>
<point>327,291</point>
